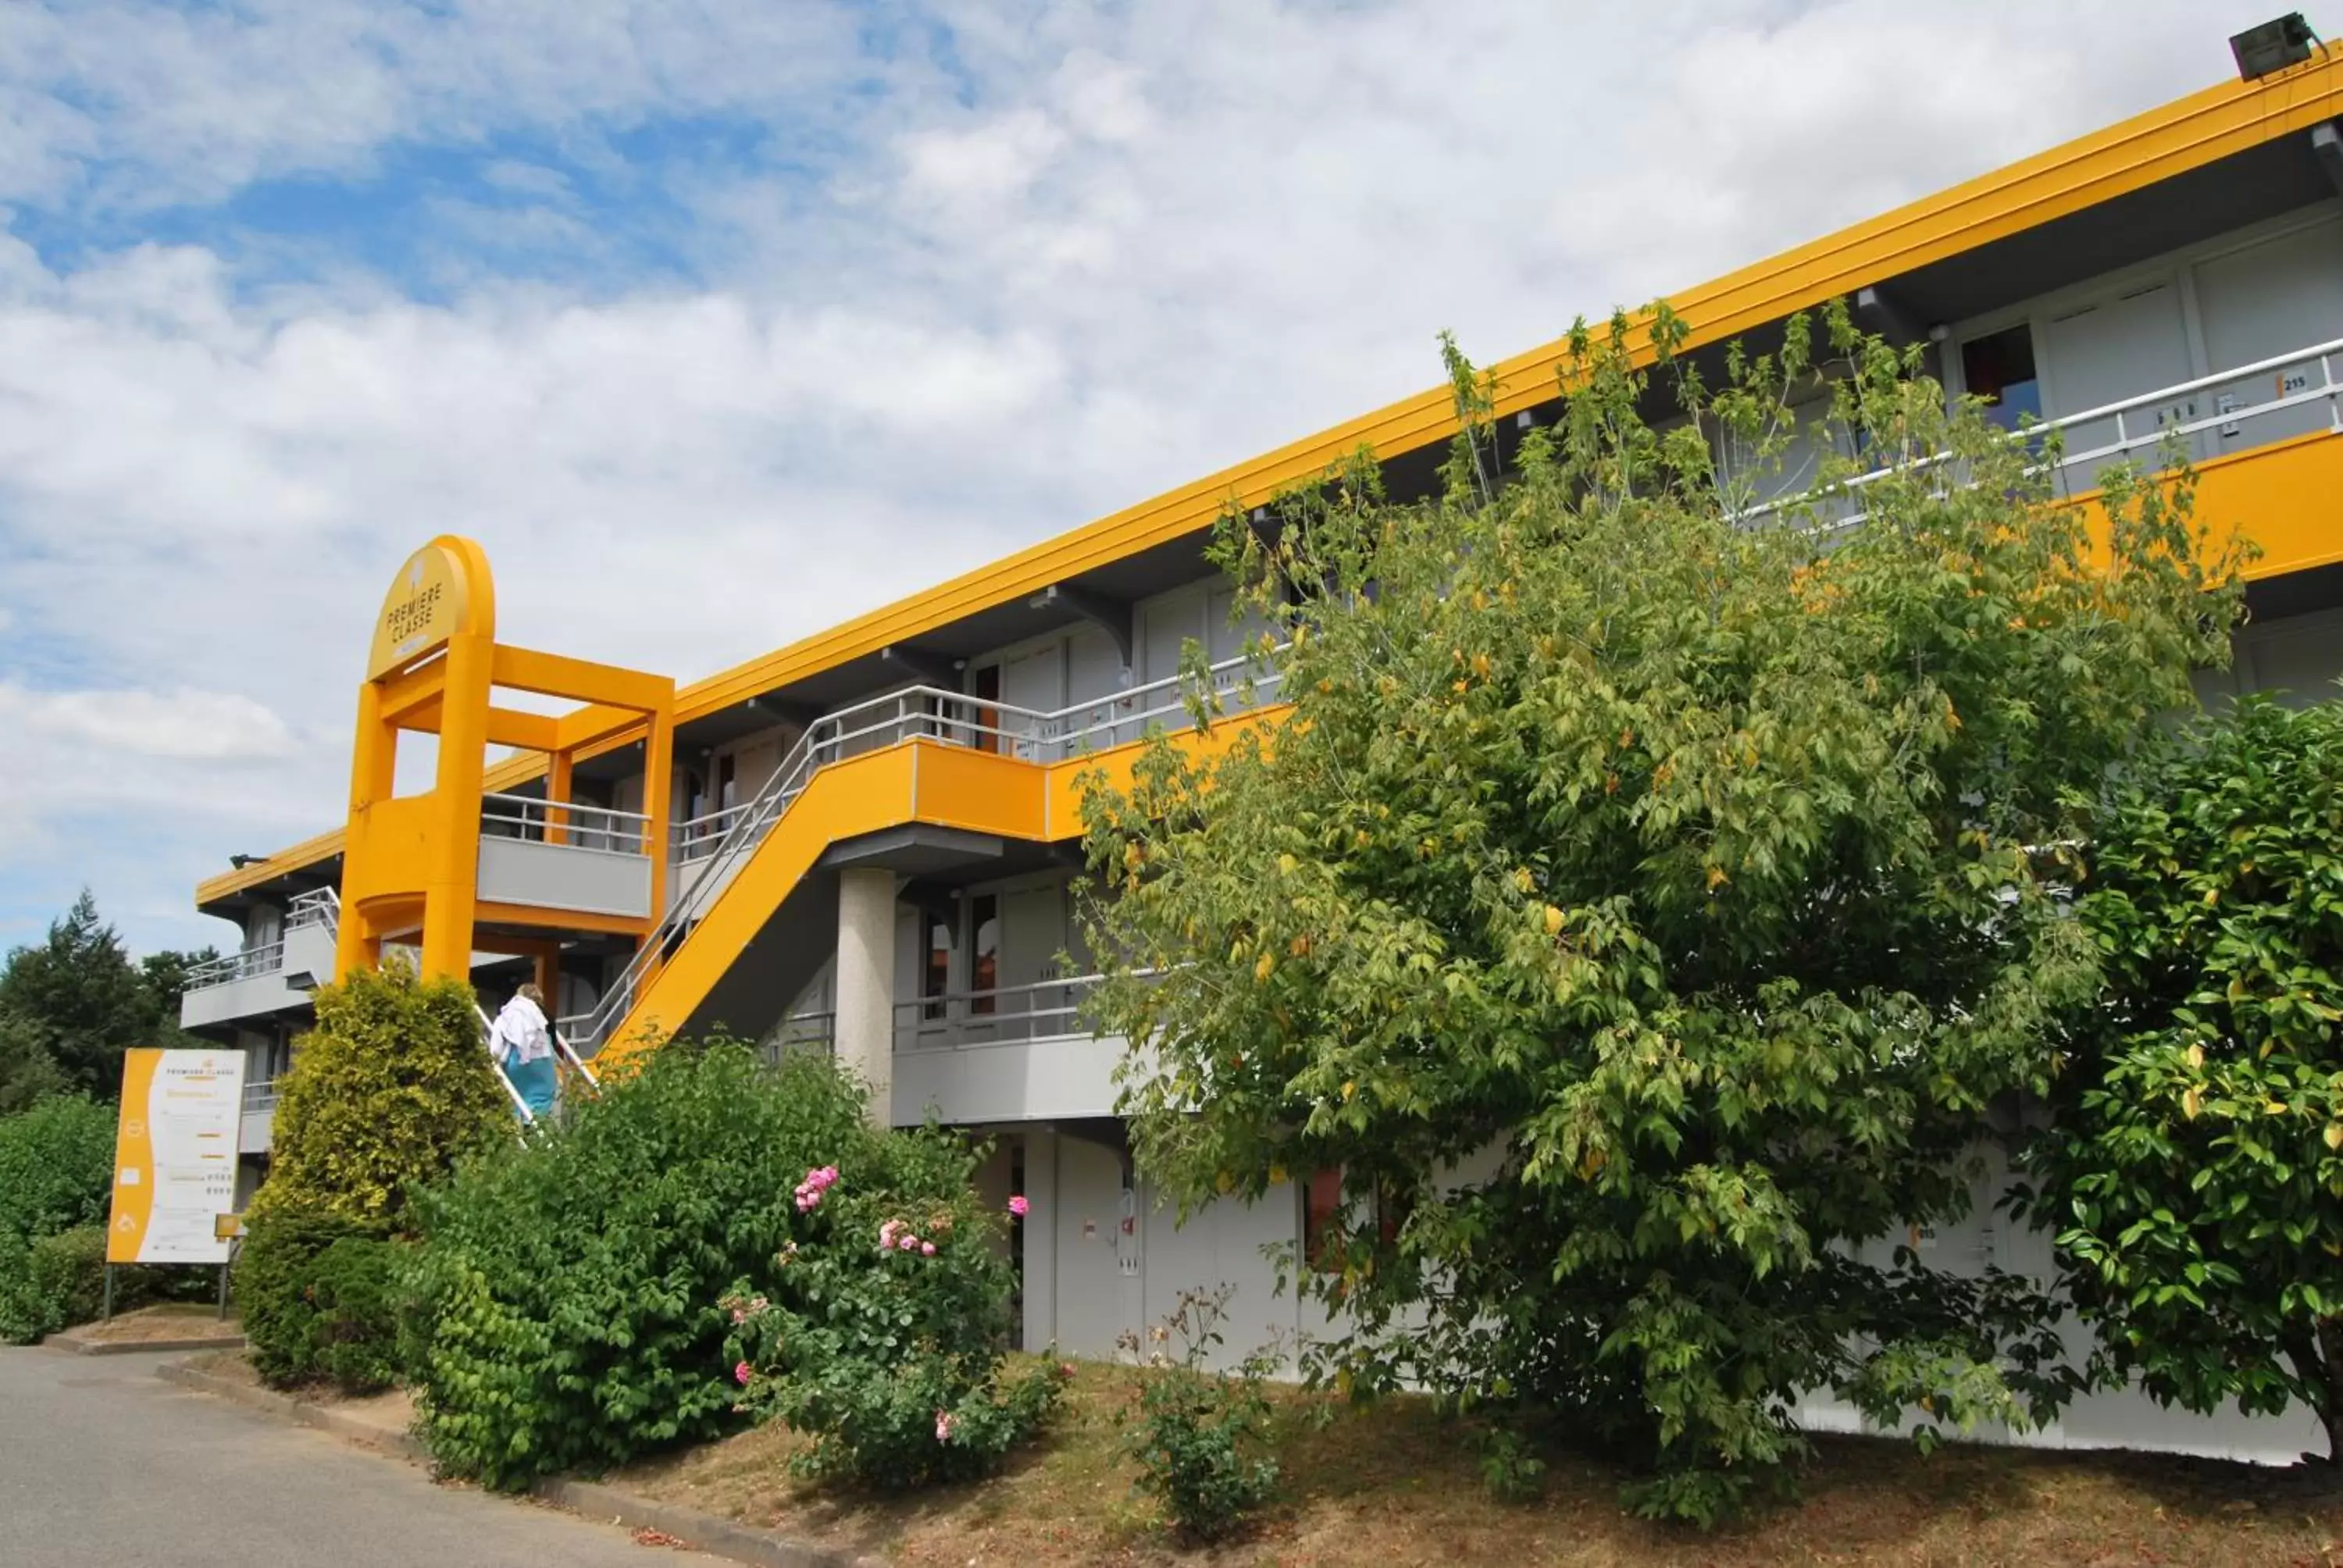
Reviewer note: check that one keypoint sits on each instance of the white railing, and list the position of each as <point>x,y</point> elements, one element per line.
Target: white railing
<point>601,829</point>
<point>249,963</point>
<point>262,1097</point>
<point>919,712</point>
<point>799,1031</point>
<point>2144,422</point>
<point>318,907</point>
<point>1015,1014</point>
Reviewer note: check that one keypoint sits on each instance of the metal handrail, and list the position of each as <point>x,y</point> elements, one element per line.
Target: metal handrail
<point>960,1018</point>
<point>262,1096</point>
<point>624,833</point>
<point>317,907</point>
<point>2330,389</point>
<point>245,963</point>
<point>955,718</point>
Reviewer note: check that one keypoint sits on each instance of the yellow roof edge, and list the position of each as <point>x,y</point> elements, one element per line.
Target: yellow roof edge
<point>2149,147</point>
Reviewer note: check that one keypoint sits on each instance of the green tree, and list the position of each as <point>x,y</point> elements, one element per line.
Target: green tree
<point>1674,877</point>
<point>2194,1162</point>
<point>389,1091</point>
<point>164,975</point>
<point>76,1002</point>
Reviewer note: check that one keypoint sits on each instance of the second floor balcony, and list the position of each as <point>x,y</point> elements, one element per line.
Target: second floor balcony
<point>270,976</point>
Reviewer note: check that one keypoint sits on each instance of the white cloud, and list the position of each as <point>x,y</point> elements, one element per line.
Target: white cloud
<point>1081,256</point>
<point>140,726</point>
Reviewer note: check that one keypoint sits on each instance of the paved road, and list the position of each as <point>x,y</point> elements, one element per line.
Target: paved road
<point>102,1464</point>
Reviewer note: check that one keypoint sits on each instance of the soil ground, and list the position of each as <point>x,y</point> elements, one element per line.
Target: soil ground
<point>169,1320</point>
<point>1393,1485</point>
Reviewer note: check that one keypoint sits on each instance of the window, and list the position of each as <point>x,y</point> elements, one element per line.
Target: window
<point>1999,368</point>
<point>935,978</point>
<point>1321,1212</point>
<point>984,951</point>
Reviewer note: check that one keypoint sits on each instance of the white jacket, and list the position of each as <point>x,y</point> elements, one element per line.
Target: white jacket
<point>521,1034</point>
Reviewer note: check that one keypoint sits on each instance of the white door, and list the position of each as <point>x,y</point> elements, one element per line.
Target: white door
<point>1032,930</point>
<point>1034,683</point>
<point>2262,303</point>
<point>2113,349</point>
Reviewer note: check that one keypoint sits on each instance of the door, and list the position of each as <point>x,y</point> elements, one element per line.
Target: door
<point>2262,303</point>
<point>2117,348</point>
<point>1033,929</point>
<point>1033,683</point>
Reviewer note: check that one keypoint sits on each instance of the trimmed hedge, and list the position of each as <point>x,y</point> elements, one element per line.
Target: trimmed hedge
<point>390,1092</point>
<point>316,1293</point>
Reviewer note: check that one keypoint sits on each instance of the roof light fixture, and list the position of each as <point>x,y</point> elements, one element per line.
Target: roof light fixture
<point>2272,46</point>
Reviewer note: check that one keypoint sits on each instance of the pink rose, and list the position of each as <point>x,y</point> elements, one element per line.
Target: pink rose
<point>1020,1207</point>
<point>928,1248</point>
<point>908,1242</point>
<point>944,1424</point>
<point>742,1374</point>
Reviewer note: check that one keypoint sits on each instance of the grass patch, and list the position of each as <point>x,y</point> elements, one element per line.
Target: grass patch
<point>1393,1486</point>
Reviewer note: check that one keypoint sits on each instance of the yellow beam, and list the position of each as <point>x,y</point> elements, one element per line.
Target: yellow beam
<point>593,724</point>
<point>402,696</point>
<point>557,674</point>
<point>490,913</point>
<point>529,731</point>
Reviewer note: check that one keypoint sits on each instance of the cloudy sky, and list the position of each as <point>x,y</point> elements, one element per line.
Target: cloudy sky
<point>719,320</point>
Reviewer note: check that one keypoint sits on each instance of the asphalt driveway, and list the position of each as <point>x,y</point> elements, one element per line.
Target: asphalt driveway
<point>102,1464</point>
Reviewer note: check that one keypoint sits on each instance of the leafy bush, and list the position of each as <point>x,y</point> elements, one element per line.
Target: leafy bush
<point>1510,1468</point>
<point>57,1172</point>
<point>389,1090</point>
<point>2194,1160</point>
<point>1197,1438</point>
<point>354,1289</point>
<point>886,1343</point>
<point>563,1301</point>
<point>56,1167</point>
<point>59,1281</point>
<point>312,1285</point>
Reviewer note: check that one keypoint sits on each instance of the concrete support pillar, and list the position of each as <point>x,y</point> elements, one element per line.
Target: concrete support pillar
<point>866,983</point>
<point>1040,1228</point>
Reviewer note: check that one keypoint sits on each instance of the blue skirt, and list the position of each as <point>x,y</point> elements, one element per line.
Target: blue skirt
<point>537,1084</point>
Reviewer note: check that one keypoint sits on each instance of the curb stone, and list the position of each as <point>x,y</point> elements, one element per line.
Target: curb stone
<point>73,1344</point>
<point>701,1532</point>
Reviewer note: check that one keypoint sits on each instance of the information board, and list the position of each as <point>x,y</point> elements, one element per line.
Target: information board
<point>175,1156</point>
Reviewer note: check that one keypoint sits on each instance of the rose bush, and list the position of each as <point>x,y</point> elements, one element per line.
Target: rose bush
<point>883,1339</point>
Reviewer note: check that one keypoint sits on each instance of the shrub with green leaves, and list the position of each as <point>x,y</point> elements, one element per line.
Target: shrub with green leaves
<point>1199,1438</point>
<point>312,1284</point>
<point>390,1090</point>
<point>2193,1168</point>
<point>56,1166</point>
<point>57,1173</point>
<point>563,1300</point>
<point>59,1281</point>
<point>882,1333</point>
